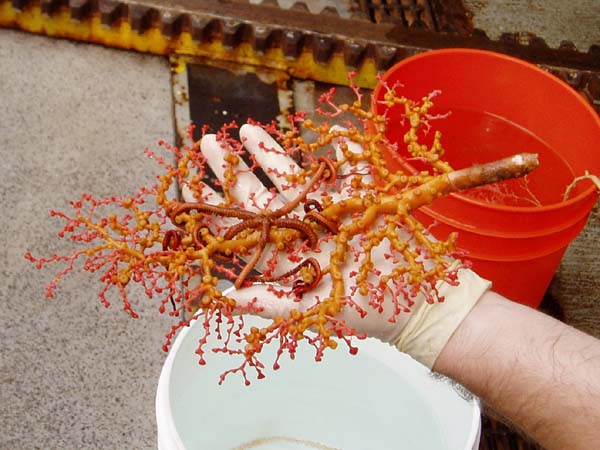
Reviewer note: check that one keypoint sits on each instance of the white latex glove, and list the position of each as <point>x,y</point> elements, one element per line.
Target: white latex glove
<point>421,330</point>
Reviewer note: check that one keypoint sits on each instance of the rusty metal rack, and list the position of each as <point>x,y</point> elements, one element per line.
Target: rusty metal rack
<point>368,37</point>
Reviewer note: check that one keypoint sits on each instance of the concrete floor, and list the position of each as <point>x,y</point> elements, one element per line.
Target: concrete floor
<point>75,118</point>
<point>554,20</point>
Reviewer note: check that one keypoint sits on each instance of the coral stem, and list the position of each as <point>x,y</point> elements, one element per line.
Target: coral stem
<point>512,167</point>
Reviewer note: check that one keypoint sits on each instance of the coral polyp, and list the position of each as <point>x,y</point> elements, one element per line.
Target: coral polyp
<point>314,239</point>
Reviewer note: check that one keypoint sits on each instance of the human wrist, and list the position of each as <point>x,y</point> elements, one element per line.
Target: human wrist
<point>529,368</point>
<point>431,325</point>
<point>471,339</point>
<point>493,346</point>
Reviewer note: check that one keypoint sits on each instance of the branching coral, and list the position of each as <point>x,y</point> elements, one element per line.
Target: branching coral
<point>345,209</point>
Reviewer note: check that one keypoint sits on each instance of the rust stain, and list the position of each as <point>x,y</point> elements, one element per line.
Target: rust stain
<point>321,48</point>
<point>122,35</point>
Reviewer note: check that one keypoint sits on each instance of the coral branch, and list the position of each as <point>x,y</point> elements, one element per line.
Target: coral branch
<point>343,212</point>
<point>512,167</point>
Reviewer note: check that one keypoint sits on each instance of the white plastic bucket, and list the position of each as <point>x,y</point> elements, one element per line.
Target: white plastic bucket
<point>378,399</point>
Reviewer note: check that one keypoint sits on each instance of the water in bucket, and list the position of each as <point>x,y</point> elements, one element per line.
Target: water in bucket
<point>379,398</point>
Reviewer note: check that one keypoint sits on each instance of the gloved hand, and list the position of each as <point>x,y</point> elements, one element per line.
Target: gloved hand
<point>413,325</point>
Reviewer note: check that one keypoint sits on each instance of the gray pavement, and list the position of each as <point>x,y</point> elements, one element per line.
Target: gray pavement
<point>75,118</point>
<point>554,20</point>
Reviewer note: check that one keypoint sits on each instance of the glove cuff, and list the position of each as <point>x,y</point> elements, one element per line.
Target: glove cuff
<point>431,326</point>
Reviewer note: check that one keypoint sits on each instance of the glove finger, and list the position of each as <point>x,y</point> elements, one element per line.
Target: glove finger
<point>248,189</point>
<point>272,158</point>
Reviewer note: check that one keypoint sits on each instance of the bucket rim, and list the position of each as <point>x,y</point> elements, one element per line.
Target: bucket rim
<point>519,259</point>
<point>575,222</point>
<point>572,232</point>
<point>590,192</point>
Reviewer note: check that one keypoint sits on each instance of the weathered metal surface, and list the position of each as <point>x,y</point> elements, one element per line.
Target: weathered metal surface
<point>322,48</point>
<point>576,286</point>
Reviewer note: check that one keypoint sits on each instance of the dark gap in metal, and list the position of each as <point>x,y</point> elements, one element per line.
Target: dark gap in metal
<point>219,96</point>
<point>435,23</point>
<point>408,13</point>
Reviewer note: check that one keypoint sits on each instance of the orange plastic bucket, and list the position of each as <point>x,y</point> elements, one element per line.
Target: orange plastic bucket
<point>515,233</point>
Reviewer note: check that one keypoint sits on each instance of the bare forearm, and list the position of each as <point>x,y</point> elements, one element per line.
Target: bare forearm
<point>537,372</point>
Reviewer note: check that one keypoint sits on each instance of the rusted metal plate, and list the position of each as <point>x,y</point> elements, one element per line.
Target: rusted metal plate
<point>220,96</point>
<point>449,16</point>
<point>291,40</point>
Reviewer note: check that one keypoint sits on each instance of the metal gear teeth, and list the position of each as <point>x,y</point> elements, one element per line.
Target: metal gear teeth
<point>321,47</point>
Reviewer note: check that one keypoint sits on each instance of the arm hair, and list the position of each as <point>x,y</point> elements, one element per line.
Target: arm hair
<point>539,373</point>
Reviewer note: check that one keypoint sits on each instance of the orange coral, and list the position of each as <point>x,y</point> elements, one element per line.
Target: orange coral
<point>166,247</point>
